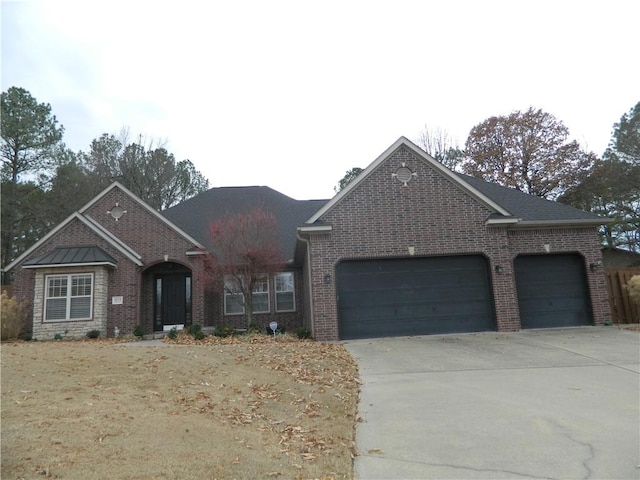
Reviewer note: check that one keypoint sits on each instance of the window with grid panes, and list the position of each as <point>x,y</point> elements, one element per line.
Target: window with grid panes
<point>285,294</point>
<point>68,297</point>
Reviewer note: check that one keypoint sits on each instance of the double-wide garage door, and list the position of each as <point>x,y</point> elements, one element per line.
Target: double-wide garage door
<point>414,296</point>
<point>552,291</point>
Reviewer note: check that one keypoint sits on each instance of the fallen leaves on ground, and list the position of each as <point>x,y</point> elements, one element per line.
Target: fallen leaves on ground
<point>260,407</point>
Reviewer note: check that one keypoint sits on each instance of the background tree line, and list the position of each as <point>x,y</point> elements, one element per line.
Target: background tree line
<point>531,152</point>
<point>43,181</point>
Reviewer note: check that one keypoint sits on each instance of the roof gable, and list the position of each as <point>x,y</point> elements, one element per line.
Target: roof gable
<point>83,216</point>
<point>510,207</point>
<point>421,155</point>
<point>117,244</point>
<point>144,205</point>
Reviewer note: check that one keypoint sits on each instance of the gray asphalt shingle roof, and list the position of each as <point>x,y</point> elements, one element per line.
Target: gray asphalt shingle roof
<point>527,207</point>
<point>195,215</point>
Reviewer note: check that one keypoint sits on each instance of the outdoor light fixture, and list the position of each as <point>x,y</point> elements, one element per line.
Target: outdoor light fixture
<point>499,269</point>
<point>327,279</point>
<point>595,265</point>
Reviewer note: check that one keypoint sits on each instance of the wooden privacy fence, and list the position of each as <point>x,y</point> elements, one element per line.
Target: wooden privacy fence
<point>623,310</point>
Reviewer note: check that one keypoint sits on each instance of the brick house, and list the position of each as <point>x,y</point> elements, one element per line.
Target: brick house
<point>409,247</point>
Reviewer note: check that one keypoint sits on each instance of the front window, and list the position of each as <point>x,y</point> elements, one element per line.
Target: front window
<point>68,297</point>
<point>260,297</point>
<point>285,294</point>
<point>233,297</point>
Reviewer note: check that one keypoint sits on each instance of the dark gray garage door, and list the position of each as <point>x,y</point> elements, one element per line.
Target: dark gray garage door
<point>413,296</point>
<point>552,291</point>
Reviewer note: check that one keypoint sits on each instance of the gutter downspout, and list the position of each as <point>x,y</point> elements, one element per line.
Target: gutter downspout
<point>309,279</point>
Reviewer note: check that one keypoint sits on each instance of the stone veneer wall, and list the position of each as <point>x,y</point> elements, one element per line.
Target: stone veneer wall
<point>72,328</point>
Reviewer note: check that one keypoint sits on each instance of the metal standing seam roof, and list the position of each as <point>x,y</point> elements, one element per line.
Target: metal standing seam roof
<point>72,256</point>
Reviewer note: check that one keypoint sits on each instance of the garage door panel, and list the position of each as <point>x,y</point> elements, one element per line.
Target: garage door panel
<point>552,291</point>
<point>415,296</point>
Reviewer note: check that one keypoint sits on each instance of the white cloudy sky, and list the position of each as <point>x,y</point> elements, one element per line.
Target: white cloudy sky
<point>291,94</point>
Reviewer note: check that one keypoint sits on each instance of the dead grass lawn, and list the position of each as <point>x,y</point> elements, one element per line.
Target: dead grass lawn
<point>250,409</point>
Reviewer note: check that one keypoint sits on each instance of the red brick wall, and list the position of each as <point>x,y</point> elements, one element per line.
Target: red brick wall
<point>141,231</point>
<point>579,240</point>
<point>383,218</point>
<point>290,320</point>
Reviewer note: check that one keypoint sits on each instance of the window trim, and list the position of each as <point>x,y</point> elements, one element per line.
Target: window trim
<point>228,294</point>
<point>264,277</point>
<point>69,277</point>
<point>292,291</point>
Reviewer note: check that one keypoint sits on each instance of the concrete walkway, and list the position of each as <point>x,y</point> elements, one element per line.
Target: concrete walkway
<point>553,404</point>
<point>144,343</point>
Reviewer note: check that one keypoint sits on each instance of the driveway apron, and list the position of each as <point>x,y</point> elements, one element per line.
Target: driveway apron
<point>552,404</point>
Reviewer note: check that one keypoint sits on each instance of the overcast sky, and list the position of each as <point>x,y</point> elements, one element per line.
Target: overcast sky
<point>292,94</point>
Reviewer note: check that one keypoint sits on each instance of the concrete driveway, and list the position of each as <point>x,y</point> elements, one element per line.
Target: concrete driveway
<point>559,404</point>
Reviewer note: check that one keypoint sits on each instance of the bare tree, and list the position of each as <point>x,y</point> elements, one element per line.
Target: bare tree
<point>441,146</point>
<point>247,250</point>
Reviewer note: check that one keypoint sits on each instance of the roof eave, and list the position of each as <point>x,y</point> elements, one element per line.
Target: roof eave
<point>315,229</point>
<point>586,222</point>
<point>195,253</point>
<point>503,221</point>
<point>59,265</point>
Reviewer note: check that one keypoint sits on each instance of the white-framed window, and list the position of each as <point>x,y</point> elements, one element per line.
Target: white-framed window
<point>260,297</point>
<point>68,297</point>
<point>285,292</point>
<point>233,297</point>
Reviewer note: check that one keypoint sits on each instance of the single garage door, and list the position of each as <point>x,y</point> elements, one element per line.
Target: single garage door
<point>552,291</point>
<point>414,296</point>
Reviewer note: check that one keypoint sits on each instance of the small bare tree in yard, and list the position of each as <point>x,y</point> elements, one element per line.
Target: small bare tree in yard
<point>246,253</point>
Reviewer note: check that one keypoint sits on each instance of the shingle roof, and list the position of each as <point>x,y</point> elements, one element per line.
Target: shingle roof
<point>529,208</point>
<point>72,256</point>
<point>198,213</point>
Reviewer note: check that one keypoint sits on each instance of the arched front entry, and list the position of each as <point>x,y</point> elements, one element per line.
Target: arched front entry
<point>171,296</point>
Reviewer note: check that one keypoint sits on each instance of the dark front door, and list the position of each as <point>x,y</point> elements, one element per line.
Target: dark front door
<point>413,296</point>
<point>173,299</point>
